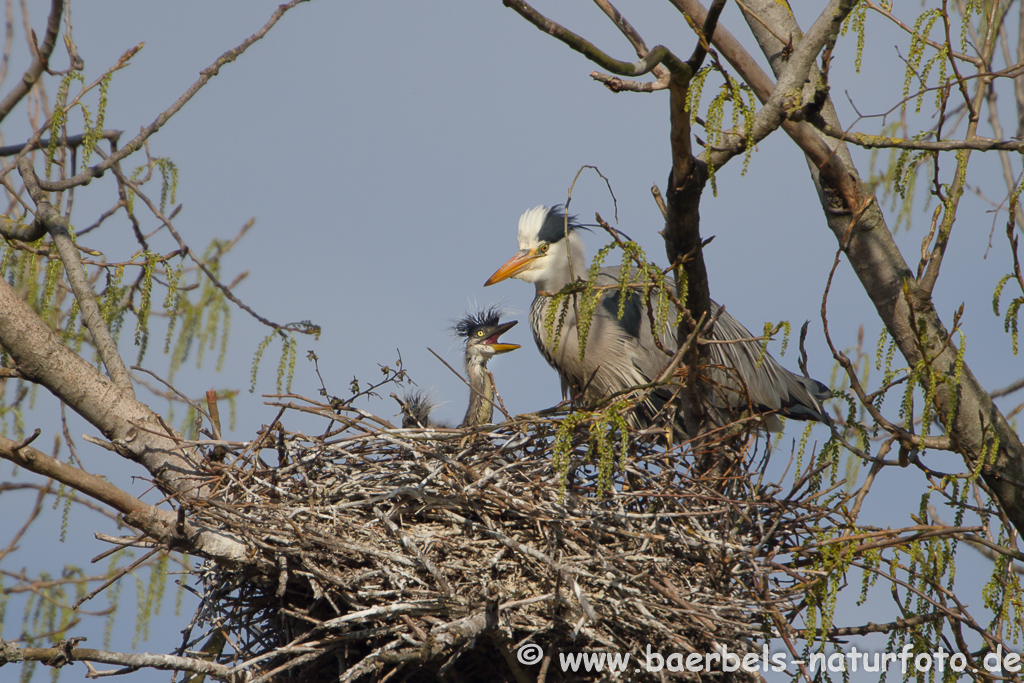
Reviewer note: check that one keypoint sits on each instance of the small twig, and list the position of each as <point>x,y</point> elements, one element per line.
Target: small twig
<point>116,576</point>
<point>71,142</point>
<point>40,60</point>
<point>136,143</point>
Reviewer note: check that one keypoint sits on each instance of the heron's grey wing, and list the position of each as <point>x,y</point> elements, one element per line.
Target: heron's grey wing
<point>620,350</point>
<point>635,355</point>
<point>633,325</point>
<point>769,385</point>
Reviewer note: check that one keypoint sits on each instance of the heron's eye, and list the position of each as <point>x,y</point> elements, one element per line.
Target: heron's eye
<point>543,248</point>
<point>480,333</point>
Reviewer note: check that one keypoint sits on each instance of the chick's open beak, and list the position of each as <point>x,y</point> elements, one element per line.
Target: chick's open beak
<point>504,348</point>
<point>515,265</point>
<point>500,347</point>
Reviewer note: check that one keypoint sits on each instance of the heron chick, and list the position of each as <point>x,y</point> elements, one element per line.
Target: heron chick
<point>621,352</point>
<point>481,332</point>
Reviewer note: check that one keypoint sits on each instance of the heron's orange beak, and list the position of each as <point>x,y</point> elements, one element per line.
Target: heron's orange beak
<point>514,266</point>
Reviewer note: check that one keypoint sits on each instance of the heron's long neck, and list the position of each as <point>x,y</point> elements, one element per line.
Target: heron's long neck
<point>481,393</point>
<point>557,279</point>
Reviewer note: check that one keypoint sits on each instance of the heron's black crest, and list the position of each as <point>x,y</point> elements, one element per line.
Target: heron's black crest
<point>488,317</point>
<point>553,228</point>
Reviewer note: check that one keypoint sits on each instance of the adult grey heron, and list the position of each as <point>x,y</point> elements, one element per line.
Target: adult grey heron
<point>481,332</point>
<point>621,352</point>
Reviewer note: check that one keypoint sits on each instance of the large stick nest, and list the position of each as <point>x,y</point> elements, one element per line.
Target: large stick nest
<point>415,555</point>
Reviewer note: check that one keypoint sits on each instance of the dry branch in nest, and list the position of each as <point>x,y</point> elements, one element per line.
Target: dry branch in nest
<point>417,555</point>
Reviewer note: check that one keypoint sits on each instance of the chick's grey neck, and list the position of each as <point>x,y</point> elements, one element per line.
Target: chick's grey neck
<point>481,393</point>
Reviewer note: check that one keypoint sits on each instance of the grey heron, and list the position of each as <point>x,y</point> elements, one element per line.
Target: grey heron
<point>620,351</point>
<point>481,332</point>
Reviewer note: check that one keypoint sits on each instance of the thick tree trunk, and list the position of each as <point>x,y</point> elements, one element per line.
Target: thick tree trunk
<point>135,431</point>
<point>977,426</point>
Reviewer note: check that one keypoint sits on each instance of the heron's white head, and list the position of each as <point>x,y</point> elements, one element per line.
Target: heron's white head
<point>550,253</point>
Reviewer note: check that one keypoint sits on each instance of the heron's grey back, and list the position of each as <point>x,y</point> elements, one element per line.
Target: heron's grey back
<point>621,353</point>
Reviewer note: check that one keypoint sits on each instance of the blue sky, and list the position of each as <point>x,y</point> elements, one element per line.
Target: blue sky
<point>386,151</point>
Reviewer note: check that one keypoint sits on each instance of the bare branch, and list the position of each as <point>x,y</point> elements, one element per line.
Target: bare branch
<point>66,653</point>
<point>884,142</point>
<point>152,520</point>
<point>659,54</point>
<point>136,143</point>
<point>616,84</point>
<point>997,130</point>
<point>631,35</point>
<point>706,32</point>
<point>1007,390</point>
<point>13,230</point>
<point>872,627</point>
<point>70,142</point>
<point>40,61</point>
<point>926,283</point>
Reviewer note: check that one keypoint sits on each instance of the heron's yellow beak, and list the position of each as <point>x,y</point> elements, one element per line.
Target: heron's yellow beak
<point>514,266</point>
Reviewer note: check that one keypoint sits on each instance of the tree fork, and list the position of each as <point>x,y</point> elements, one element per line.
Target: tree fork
<point>683,244</point>
<point>977,426</point>
<point>58,228</point>
<point>136,431</point>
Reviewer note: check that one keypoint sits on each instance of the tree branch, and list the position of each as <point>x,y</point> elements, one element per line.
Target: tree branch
<point>616,84</point>
<point>162,525</point>
<point>997,130</point>
<point>926,283</point>
<point>872,627</point>
<point>631,34</point>
<point>66,653</point>
<point>1007,390</point>
<point>134,430</point>
<point>57,226</point>
<point>152,520</point>
<point>659,54</point>
<point>13,230</point>
<point>137,142</point>
<point>40,60</point>
<point>976,426</point>
<point>70,142</point>
<point>707,31</point>
<point>884,142</point>
<point>683,244</point>
<point>846,194</point>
